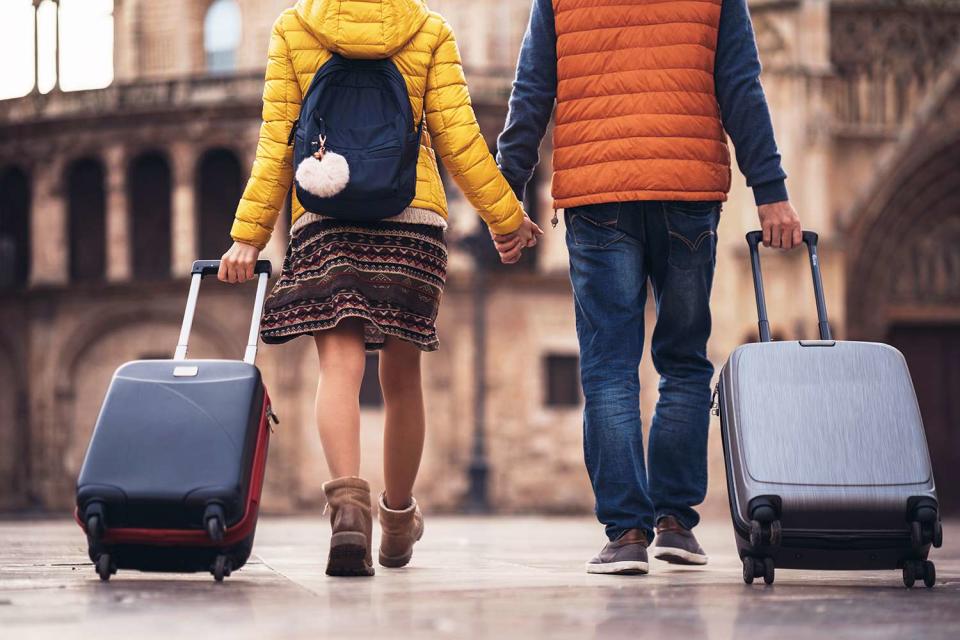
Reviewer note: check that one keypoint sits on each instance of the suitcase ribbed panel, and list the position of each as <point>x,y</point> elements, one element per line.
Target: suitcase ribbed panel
<point>838,416</point>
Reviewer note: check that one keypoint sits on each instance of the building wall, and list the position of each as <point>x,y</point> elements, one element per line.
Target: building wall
<point>60,341</point>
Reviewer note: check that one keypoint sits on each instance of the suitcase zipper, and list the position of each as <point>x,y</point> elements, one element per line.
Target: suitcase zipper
<point>715,401</point>
<point>271,418</point>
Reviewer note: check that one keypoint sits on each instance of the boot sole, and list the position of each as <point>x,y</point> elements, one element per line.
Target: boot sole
<point>679,556</point>
<point>398,562</point>
<point>395,562</point>
<point>348,555</point>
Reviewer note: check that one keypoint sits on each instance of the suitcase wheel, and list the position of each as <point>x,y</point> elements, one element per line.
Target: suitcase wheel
<point>758,568</point>
<point>921,535</point>
<point>105,566</point>
<point>909,573</point>
<point>937,534</point>
<point>773,534</point>
<point>94,526</point>
<point>916,534</point>
<point>769,570</point>
<point>215,521</point>
<point>914,570</point>
<point>221,568</point>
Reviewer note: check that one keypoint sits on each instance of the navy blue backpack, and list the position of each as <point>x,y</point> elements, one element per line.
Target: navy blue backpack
<point>355,146</point>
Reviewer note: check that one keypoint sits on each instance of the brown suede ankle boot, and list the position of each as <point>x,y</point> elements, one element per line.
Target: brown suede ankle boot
<point>351,520</point>
<point>401,529</point>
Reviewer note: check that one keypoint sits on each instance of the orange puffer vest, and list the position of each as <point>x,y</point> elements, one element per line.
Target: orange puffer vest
<point>637,115</point>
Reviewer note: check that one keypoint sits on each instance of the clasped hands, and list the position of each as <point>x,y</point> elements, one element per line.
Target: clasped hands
<point>510,246</point>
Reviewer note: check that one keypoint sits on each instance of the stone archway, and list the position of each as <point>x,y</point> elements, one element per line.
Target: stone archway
<point>150,207</point>
<point>14,431</point>
<point>903,277</point>
<point>218,186</point>
<point>87,219</point>
<point>905,258</point>
<point>15,205</point>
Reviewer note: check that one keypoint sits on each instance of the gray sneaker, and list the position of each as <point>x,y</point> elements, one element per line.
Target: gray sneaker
<point>677,545</point>
<point>625,556</point>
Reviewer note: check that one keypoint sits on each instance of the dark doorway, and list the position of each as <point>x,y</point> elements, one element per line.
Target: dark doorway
<point>149,186</point>
<point>87,220</point>
<point>933,354</point>
<point>14,228</point>
<point>219,185</point>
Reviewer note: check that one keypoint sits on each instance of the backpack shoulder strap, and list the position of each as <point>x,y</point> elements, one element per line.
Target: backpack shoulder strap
<point>335,63</point>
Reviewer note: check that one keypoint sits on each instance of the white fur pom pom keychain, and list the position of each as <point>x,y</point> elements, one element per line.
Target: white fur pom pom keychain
<point>325,173</point>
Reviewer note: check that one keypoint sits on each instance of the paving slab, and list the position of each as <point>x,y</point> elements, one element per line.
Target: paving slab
<point>470,578</point>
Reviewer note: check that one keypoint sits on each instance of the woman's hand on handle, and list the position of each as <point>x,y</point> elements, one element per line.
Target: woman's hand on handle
<point>238,263</point>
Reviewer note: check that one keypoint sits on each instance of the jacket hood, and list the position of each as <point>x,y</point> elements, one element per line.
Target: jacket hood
<point>363,28</point>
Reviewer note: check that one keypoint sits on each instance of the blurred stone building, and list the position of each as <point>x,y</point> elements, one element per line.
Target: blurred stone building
<point>108,195</point>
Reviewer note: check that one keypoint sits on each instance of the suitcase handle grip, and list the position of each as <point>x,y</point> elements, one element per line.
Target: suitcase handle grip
<point>810,238</point>
<point>202,269</point>
<point>212,267</point>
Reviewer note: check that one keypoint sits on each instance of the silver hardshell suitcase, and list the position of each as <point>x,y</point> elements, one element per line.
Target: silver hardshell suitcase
<point>826,457</point>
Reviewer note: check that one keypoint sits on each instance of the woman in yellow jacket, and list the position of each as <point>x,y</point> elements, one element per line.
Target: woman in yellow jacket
<point>358,286</point>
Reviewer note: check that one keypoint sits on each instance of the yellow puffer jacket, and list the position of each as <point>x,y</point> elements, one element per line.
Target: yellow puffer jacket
<point>422,45</point>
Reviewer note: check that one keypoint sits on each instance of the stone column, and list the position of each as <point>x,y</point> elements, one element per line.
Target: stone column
<point>48,225</point>
<point>118,216</point>
<point>812,192</point>
<point>183,227</point>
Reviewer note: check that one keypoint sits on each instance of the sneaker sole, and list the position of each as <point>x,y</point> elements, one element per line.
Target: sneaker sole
<point>679,556</point>
<point>625,568</point>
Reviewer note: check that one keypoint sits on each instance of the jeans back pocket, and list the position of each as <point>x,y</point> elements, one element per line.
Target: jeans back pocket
<point>692,227</point>
<point>595,225</point>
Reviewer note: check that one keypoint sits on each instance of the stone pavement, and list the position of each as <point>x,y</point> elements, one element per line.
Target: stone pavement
<point>471,577</point>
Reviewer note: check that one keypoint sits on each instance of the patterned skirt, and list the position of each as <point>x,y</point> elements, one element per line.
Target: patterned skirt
<point>388,274</point>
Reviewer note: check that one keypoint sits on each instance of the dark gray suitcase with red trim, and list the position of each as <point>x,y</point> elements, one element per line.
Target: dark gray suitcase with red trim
<point>173,474</point>
<point>826,456</point>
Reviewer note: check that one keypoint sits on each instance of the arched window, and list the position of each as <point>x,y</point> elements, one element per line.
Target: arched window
<point>87,220</point>
<point>221,35</point>
<point>17,30</point>
<point>14,228</point>
<point>48,15</point>
<point>86,44</point>
<point>81,58</point>
<point>219,185</point>
<point>149,201</point>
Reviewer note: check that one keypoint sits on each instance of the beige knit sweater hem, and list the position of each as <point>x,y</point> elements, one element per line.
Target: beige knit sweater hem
<point>410,215</point>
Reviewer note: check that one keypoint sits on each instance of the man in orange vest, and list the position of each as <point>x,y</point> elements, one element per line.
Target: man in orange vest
<point>646,92</point>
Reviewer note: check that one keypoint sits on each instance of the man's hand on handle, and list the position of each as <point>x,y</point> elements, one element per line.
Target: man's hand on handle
<point>781,225</point>
<point>511,246</point>
<point>238,263</point>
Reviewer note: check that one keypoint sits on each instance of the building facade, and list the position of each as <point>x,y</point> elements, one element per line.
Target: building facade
<point>108,195</point>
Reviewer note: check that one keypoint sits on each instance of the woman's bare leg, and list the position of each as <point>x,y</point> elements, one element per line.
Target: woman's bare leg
<point>342,358</point>
<point>405,423</point>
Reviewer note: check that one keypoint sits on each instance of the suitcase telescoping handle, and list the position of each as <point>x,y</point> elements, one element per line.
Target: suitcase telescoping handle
<point>202,269</point>
<point>754,239</point>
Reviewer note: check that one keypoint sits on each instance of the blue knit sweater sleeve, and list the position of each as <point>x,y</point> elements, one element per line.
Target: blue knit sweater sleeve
<point>532,100</point>
<point>743,106</point>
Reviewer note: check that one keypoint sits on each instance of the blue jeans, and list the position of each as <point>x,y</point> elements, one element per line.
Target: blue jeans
<point>614,250</point>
